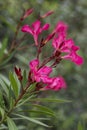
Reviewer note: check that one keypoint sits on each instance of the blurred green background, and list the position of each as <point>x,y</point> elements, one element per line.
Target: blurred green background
<point>74,13</point>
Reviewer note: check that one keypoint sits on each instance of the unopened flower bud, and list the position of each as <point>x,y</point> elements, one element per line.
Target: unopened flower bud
<point>18,73</point>
<point>26,14</point>
<point>47,14</point>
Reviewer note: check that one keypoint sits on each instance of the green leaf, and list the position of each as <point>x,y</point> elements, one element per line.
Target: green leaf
<point>3,47</point>
<point>21,102</point>
<point>32,120</point>
<point>11,97</point>
<point>14,84</point>
<point>11,124</point>
<point>24,78</point>
<point>22,59</point>
<point>32,87</point>
<point>80,126</point>
<point>51,100</point>
<point>2,113</point>
<point>7,59</point>
<point>39,112</point>
<point>1,100</point>
<point>4,86</point>
<point>44,109</point>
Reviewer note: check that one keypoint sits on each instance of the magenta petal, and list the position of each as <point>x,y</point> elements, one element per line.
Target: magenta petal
<point>45,70</point>
<point>54,43</point>
<point>61,27</point>
<point>77,59</point>
<point>69,43</point>
<point>59,41</point>
<point>56,84</point>
<point>27,28</point>
<point>74,58</point>
<point>36,26</point>
<point>45,27</point>
<point>46,79</point>
<point>34,64</point>
<point>75,48</point>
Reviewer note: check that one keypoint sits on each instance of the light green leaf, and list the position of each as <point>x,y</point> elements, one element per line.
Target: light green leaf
<point>32,120</point>
<point>32,87</point>
<point>3,47</point>
<point>4,86</point>
<point>44,109</point>
<point>22,59</point>
<point>39,112</point>
<point>14,84</point>
<point>4,79</point>
<point>11,124</point>
<point>80,126</point>
<point>2,112</point>
<point>11,97</point>
<point>24,101</point>
<point>51,100</point>
<point>24,78</point>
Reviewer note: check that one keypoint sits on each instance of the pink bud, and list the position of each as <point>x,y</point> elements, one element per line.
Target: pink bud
<point>26,14</point>
<point>47,14</point>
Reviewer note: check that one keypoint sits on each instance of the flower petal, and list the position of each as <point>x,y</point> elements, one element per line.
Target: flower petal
<point>56,84</point>
<point>61,27</point>
<point>45,70</point>
<point>45,27</point>
<point>36,26</point>
<point>74,58</point>
<point>34,64</point>
<point>27,28</point>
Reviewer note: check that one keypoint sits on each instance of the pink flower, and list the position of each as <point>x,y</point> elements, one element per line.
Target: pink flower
<point>74,57</point>
<point>39,74</point>
<point>67,47</point>
<point>35,29</point>
<point>61,27</point>
<point>56,84</point>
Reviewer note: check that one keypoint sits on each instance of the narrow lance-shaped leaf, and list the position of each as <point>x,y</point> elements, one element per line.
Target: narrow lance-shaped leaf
<point>51,100</point>
<point>2,113</point>
<point>32,120</point>
<point>44,110</point>
<point>11,124</point>
<point>3,47</point>
<point>24,78</point>
<point>13,84</point>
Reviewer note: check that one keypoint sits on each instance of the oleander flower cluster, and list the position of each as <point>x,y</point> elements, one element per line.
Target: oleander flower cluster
<point>64,48</point>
